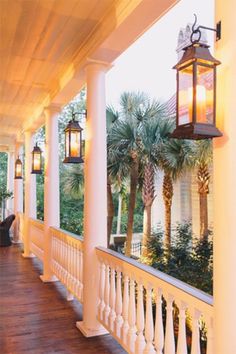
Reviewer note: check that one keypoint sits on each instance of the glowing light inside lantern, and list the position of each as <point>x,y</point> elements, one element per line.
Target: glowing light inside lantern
<point>37,161</point>
<point>75,144</point>
<point>200,103</point>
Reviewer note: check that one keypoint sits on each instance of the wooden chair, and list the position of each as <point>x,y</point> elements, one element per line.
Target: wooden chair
<point>5,226</point>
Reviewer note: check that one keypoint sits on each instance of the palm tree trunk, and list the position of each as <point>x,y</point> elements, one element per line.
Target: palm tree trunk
<point>132,200</point>
<point>167,196</point>
<point>203,179</point>
<point>119,214</point>
<point>110,211</point>
<point>147,225</point>
<point>203,216</point>
<point>148,198</point>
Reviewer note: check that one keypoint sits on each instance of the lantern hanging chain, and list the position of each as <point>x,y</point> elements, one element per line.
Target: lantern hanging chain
<point>197,31</point>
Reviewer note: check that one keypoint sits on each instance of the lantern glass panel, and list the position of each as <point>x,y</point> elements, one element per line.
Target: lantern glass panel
<point>18,170</point>
<point>185,98</point>
<point>37,161</point>
<point>67,142</point>
<point>205,95</point>
<point>75,144</point>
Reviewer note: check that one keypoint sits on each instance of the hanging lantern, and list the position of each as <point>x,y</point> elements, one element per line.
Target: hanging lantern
<point>18,169</point>
<point>196,92</point>
<point>73,142</point>
<point>36,160</point>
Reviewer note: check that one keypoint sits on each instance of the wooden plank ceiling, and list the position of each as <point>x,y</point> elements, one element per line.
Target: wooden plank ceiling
<point>38,40</point>
<point>44,45</point>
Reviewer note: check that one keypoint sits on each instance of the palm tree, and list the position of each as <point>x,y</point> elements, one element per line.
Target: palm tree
<point>73,181</point>
<point>154,131</point>
<point>202,159</point>
<point>176,157</point>
<point>123,142</point>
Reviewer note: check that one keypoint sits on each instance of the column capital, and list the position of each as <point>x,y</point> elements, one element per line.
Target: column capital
<point>97,65</point>
<point>51,110</point>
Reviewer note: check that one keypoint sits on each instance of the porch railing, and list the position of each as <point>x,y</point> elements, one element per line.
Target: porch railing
<point>36,230</point>
<point>131,293</point>
<point>67,260</point>
<point>145,310</point>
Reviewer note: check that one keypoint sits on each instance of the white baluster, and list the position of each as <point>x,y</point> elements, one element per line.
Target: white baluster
<point>119,320</point>
<point>195,348</point>
<point>101,290</point>
<point>159,329</point>
<point>210,336</point>
<point>149,327</point>
<point>132,318</point>
<point>169,335</point>
<point>112,300</point>
<point>182,337</point>
<point>140,342</point>
<point>125,312</point>
<point>107,293</point>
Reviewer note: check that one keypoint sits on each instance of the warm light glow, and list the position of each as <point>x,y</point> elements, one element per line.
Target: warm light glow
<point>75,144</point>
<point>200,102</point>
<point>18,170</point>
<point>37,161</point>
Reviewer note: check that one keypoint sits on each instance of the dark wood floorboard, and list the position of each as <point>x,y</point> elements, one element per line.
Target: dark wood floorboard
<point>35,317</point>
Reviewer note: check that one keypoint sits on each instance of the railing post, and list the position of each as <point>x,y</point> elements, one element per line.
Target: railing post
<point>51,188</point>
<point>30,193</point>
<point>10,180</point>
<point>95,195</point>
<point>18,198</point>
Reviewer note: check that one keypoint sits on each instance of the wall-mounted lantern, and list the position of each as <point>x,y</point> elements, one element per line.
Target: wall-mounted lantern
<point>73,141</point>
<point>196,90</point>
<point>36,160</point>
<point>18,169</point>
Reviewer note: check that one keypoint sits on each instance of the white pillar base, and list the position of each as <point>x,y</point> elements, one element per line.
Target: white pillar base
<point>31,255</point>
<point>87,332</point>
<point>16,242</point>
<point>69,296</point>
<point>50,279</point>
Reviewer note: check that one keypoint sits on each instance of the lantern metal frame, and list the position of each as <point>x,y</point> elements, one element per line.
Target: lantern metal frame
<point>197,55</point>
<point>36,150</point>
<point>18,162</point>
<point>74,125</point>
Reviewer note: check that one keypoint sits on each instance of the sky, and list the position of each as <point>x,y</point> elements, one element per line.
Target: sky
<point>147,64</point>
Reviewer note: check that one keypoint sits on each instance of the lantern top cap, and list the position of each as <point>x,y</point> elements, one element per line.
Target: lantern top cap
<point>196,52</point>
<point>73,125</point>
<point>37,148</point>
<point>18,161</point>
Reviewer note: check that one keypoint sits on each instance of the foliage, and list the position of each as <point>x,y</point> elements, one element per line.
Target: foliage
<point>189,261</point>
<point>3,170</point>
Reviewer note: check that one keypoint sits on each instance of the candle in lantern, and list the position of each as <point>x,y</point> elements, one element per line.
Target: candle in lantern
<point>201,104</point>
<point>18,170</point>
<point>37,164</point>
<point>74,148</point>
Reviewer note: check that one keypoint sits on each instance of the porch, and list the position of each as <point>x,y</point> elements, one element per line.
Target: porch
<point>36,317</point>
<point>43,67</point>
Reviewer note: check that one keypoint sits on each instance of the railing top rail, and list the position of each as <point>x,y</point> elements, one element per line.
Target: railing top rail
<point>37,223</point>
<point>160,276</point>
<point>67,233</point>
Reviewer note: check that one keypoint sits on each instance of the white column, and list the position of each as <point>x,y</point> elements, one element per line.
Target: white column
<point>30,192</point>
<point>51,187</point>
<point>95,195</point>
<point>18,196</point>
<point>224,185</point>
<point>10,181</point>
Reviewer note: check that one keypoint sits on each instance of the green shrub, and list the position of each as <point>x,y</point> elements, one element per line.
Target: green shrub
<point>189,261</point>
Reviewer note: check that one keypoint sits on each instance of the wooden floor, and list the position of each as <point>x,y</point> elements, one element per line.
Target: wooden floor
<point>35,317</point>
